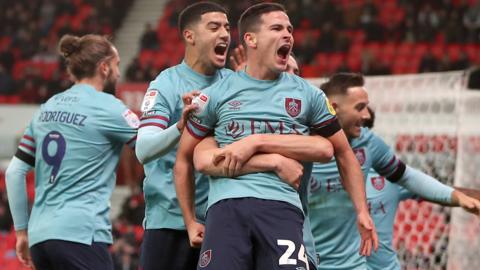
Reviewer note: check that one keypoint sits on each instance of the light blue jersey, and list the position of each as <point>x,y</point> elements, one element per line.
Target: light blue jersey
<point>239,106</point>
<point>74,141</point>
<point>162,107</point>
<point>383,199</point>
<point>332,215</point>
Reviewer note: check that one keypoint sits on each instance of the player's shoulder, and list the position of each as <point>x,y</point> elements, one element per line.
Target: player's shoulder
<point>224,72</point>
<point>222,85</point>
<point>300,83</point>
<point>165,80</point>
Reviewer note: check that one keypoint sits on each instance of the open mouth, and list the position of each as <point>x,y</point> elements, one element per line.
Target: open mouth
<point>284,51</point>
<point>220,49</point>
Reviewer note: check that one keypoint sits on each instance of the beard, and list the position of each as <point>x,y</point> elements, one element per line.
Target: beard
<point>109,86</point>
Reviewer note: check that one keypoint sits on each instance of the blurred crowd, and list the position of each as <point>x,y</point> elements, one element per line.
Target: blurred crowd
<point>30,70</point>
<point>339,31</point>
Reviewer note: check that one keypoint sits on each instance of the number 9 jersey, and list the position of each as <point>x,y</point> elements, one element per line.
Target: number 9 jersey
<point>74,142</point>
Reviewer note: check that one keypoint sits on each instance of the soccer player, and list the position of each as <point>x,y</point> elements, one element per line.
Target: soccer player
<point>331,213</point>
<point>74,143</point>
<point>206,35</point>
<point>264,215</point>
<point>383,198</point>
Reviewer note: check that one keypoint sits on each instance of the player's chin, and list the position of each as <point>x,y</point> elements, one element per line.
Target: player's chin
<point>219,61</point>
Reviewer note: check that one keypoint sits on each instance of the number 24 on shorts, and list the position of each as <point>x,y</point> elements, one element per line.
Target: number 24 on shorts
<point>286,258</point>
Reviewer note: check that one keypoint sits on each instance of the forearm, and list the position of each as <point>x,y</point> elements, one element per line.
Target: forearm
<point>474,193</point>
<point>352,178</point>
<point>154,142</point>
<point>258,163</point>
<point>185,188</point>
<point>427,187</point>
<point>17,192</point>
<point>298,147</point>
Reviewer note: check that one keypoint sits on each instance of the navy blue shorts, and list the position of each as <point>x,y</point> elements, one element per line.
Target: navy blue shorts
<point>250,233</point>
<point>168,249</point>
<point>66,255</point>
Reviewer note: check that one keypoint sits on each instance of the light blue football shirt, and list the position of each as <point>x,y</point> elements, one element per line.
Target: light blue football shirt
<point>162,107</point>
<point>383,199</point>
<point>332,215</point>
<point>74,141</point>
<point>239,106</point>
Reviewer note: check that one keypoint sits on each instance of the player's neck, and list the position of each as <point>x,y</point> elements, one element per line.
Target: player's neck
<point>95,82</point>
<point>260,72</point>
<point>192,59</point>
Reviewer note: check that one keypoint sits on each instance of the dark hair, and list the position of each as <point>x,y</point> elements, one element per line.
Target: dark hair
<point>340,82</point>
<point>193,13</point>
<point>83,54</point>
<point>370,122</point>
<point>251,17</point>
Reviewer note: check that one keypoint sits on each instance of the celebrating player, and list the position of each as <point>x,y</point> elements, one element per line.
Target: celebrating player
<point>264,214</point>
<point>206,35</point>
<point>74,142</point>
<point>331,213</point>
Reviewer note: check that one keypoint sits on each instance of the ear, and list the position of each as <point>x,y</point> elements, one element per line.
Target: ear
<point>334,104</point>
<point>250,39</point>
<point>104,68</point>
<point>189,36</point>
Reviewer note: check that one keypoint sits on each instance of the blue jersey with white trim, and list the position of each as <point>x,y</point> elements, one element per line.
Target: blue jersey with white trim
<point>75,141</point>
<point>162,107</point>
<point>332,215</point>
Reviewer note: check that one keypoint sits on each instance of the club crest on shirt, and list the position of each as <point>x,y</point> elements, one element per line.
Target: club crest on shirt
<point>360,155</point>
<point>149,100</point>
<point>205,258</point>
<point>378,182</point>
<point>293,106</point>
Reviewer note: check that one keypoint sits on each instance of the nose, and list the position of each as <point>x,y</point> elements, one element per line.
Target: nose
<point>224,34</point>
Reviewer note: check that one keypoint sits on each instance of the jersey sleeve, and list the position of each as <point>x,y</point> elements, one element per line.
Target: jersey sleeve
<point>121,124</point>
<point>406,194</point>
<point>27,146</point>
<point>384,160</point>
<point>323,117</point>
<point>202,121</point>
<point>158,105</point>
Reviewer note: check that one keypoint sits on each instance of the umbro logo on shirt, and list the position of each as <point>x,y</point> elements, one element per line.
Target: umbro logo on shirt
<point>234,105</point>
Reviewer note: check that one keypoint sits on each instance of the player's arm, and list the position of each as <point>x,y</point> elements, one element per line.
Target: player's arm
<point>352,180</point>
<point>474,193</point>
<point>289,170</point>
<point>185,187</point>
<point>154,138</point>
<point>297,147</point>
<point>15,178</point>
<point>421,184</point>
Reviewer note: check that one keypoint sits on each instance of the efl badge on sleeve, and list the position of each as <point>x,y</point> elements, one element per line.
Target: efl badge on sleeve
<point>293,106</point>
<point>360,155</point>
<point>201,101</point>
<point>149,100</point>
<point>378,182</point>
<point>131,118</point>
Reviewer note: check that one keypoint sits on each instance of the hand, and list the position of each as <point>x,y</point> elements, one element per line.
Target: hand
<point>367,231</point>
<point>235,155</point>
<point>188,107</point>
<point>469,204</point>
<point>195,234</point>
<point>238,59</point>
<point>289,170</point>
<point>23,252</point>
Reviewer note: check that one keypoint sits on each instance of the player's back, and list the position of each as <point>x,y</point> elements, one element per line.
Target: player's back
<point>78,136</point>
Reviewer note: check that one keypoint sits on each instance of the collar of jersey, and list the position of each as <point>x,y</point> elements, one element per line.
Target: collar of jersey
<point>247,77</point>
<point>192,72</point>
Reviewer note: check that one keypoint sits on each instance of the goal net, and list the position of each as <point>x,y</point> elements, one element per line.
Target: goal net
<point>432,122</point>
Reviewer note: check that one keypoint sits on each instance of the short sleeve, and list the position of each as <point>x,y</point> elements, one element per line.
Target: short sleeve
<point>323,117</point>
<point>27,146</point>
<point>202,121</point>
<point>384,160</point>
<point>121,124</point>
<point>158,104</point>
